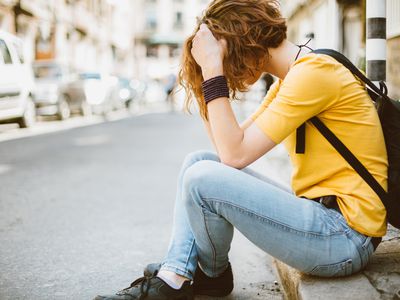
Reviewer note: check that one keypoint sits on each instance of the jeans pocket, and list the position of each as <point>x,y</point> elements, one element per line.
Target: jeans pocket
<point>340,269</point>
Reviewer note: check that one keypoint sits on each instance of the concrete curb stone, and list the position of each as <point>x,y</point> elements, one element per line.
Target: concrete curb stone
<point>299,286</point>
<point>379,280</point>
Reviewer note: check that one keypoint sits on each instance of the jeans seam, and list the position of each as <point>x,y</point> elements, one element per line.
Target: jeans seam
<point>190,252</point>
<point>211,243</point>
<point>268,220</point>
<point>360,248</point>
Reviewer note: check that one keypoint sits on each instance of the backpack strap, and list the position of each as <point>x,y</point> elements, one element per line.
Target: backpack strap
<point>349,157</point>
<point>373,90</point>
<point>334,140</point>
<point>382,91</point>
<point>301,139</point>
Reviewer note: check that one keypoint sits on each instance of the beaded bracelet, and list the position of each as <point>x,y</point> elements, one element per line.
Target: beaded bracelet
<point>214,88</point>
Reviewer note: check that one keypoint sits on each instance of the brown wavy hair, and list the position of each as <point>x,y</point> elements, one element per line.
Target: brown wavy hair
<point>250,27</point>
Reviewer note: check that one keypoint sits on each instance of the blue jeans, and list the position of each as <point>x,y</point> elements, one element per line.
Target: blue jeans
<point>213,198</point>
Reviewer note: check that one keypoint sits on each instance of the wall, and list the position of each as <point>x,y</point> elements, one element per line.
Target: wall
<point>393,67</point>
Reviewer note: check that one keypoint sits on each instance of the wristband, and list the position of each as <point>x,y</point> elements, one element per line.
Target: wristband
<point>214,88</point>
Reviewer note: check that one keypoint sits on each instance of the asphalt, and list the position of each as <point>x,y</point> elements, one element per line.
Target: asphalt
<point>83,210</point>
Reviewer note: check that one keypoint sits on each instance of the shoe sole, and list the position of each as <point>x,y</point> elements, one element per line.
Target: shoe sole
<point>212,293</point>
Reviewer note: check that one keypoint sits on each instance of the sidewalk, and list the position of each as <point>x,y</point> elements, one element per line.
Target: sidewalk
<point>381,278</point>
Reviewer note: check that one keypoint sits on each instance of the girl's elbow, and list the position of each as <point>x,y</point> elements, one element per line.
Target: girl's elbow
<point>234,162</point>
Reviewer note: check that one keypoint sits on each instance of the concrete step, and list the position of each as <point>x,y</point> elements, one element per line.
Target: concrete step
<point>380,279</point>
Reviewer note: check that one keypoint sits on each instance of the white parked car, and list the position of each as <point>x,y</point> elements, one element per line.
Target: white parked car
<point>98,89</point>
<point>16,83</point>
<point>51,94</point>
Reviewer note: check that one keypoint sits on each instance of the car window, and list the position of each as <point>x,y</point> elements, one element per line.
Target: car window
<point>19,52</point>
<point>5,52</point>
<point>85,76</point>
<point>47,71</point>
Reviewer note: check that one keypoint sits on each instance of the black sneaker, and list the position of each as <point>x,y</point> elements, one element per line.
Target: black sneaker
<point>152,288</point>
<point>220,286</point>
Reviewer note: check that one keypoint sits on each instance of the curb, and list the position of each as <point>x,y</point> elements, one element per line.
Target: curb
<point>379,280</point>
<point>299,286</point>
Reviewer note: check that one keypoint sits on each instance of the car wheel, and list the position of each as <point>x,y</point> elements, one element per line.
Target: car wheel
<point>134,106</point>
<point>29,116</point>
<point>86,109</point>
<point>64,111</point>
<point>106,109</point>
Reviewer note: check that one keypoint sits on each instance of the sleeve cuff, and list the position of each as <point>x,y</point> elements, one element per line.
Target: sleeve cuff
<point>267,131</point>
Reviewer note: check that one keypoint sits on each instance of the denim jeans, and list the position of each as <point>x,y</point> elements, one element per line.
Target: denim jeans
<point>213,198</point>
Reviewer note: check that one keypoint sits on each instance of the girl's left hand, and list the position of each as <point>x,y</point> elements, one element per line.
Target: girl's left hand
<point>208,52</point>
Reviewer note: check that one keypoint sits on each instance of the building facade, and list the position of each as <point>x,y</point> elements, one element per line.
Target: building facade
<point>88,35</point>
<point>393,58</point>
<point>340,25</point>
<point>160,29</point>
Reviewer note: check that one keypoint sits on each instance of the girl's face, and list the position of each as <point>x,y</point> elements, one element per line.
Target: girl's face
<point>253,77</point>
<point>256,73</point>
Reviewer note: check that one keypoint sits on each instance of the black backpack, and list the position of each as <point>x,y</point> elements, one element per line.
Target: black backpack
<point>389,115</point>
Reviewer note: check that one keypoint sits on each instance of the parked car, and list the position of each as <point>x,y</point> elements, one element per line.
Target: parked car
<point>60,92</point>
<point>140,88</point>
<point>155,91</point>
<point>52,95</point>
<point>97,91</point>
<point>16,83</point>
<point>127,92</point>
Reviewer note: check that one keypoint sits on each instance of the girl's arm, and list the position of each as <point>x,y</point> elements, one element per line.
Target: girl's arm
<point>236,146</point>
<point>245,124</point>
<point>210,135</point>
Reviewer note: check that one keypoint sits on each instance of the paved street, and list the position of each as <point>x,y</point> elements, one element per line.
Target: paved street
<point>83,210</point>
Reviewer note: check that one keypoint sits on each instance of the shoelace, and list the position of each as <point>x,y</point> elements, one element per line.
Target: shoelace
<point>144,286</point>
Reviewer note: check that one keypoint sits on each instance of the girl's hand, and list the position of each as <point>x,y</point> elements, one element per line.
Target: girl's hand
<point>208,52</point>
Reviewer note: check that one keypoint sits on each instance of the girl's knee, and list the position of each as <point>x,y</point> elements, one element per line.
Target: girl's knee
<point>201,173</point>
<point>200,176</point>
<point>200,155</point>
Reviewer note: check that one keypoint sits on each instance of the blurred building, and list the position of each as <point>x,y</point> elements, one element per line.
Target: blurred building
<point>160,29</point>
<point>340,25</point>
<point>393,59</point>
<point>91,35</point>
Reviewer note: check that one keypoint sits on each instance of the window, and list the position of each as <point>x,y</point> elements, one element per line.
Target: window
<point>151,21</point>
<point>174,51</point>
<point>178,23</point>
<point>152,51</point>
<point>5,52</point>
